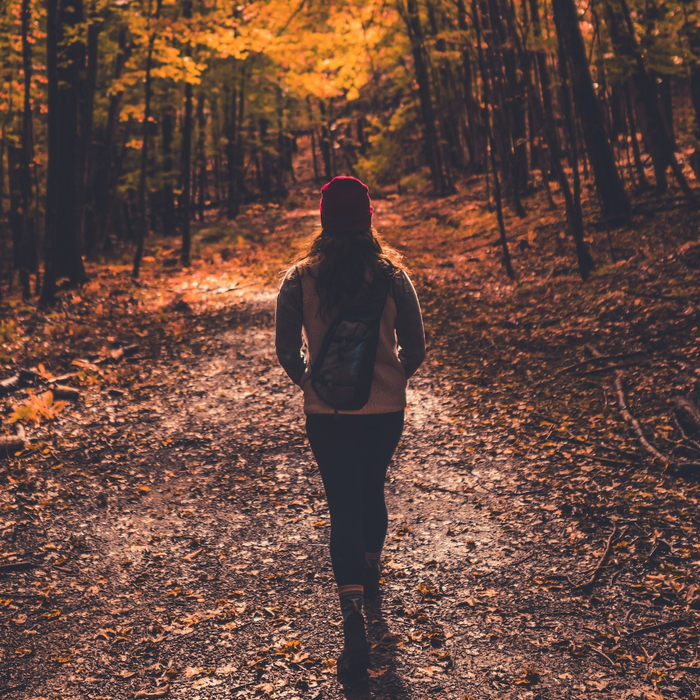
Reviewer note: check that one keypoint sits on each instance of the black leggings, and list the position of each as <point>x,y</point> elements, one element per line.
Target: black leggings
<point>353,453</point>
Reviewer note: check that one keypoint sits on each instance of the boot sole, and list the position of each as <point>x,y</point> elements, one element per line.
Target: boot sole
<point>353,665</point>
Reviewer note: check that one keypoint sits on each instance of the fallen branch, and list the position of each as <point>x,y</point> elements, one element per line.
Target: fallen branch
<point>671,624</point>
<point>60,391</point>
<point>604,460</point>
<point>663,297</point>
<point>62,378</point>
<point>634,423</point>
<point>622,401</point>
<point>686,437</point>
<point>10,445</point>
<point>19,380</point>
<point>688,415</point>
<point>601,653</point>
<point>16,566</point>
<point>599,566</point>
<point>600,358</point>
<point>688,669</point>
<point>600,370</point>
<point>8,385</point>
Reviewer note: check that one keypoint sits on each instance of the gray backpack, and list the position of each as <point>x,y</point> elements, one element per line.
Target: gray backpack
<point>343,372</point>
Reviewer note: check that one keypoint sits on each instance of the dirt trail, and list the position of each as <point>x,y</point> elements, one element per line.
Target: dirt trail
<point>177,532</point>
<point>201,570</point>
<point>204,565</point>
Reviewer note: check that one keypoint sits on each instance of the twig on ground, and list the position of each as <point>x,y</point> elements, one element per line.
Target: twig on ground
<point>601,370</point>
<point>634,423</point>
<point>622,401</point>
<point>599,566</point>
<point>10,445</point>
<point>600,358</point>
<point>696,445</point>
<point>651,295</point>
<point>624,453</point>
<point>524,559</point>
<point>16,566</point>
<point>601,653</point>
<point>671,624</point>
<point>605,460</point>
<point>574,441</point>
<point>695,670</point>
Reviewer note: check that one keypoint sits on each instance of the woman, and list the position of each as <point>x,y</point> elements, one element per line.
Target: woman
<point>353,448</point>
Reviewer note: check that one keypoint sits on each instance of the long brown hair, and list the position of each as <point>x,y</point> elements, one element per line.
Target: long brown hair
<point>344,264</point>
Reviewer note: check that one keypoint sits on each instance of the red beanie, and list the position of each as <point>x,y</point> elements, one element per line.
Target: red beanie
<point>345,205</point>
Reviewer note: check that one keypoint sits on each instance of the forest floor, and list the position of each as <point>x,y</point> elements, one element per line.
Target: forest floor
<point>166,535</point>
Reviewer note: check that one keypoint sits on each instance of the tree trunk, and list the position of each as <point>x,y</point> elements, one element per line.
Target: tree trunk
<point>331,137</point>
<point>585,261</point>
<point>229,131</point>
<point>64,56</point>
<point>16,217</point>
<point>216,143</point>
<point>266,160</point>
<point>666,101</point>
<point>430,139</point>
<point>143,173</point>
<point>473,131</point>
<point>232,197</point>
<point>240,153</point>
<point>515,100</point>
<point>616,205</point>
<point>572,201</point>
<point>202,182</point>
<point>623,47</point>
<point>167,195</point>
<point>443,80</point>
<point>28,245</point>
<point>3,240</point>
<point>503,79</point>
<point>487,123</point>
<point>186,159</point>
<point>695,95</point>
<point>284,158</point>
<point>646,86</point>
<point>312,130</point>
<point>691,31</point>
<point>87,108</point>
<point>325,144</point>
<point>632,127</point>
<point>107,153</point>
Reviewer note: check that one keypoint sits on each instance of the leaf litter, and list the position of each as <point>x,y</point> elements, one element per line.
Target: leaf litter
<point>165,534</point>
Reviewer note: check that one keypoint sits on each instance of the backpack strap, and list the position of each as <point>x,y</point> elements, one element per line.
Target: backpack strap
<point>373,307</point>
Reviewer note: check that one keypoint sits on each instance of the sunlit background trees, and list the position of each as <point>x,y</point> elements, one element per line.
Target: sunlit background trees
<point>121,119</point>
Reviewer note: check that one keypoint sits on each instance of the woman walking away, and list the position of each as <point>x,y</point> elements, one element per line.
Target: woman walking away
<point>350,334</point>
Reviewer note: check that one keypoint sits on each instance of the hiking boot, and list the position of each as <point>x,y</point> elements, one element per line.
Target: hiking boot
<point>354,659</point>
<point>371,583</point>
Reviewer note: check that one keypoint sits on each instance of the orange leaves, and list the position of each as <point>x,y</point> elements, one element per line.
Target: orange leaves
<point>52,614</point>
<point>528,677</point>
<point>37,408</point>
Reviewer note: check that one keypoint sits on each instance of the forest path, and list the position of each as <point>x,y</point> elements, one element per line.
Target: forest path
<point>175,531</point>
<point>194,563</point>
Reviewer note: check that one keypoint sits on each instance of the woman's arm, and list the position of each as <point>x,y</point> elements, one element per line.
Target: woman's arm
<point>288,323</point>
<point>409,325</point>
